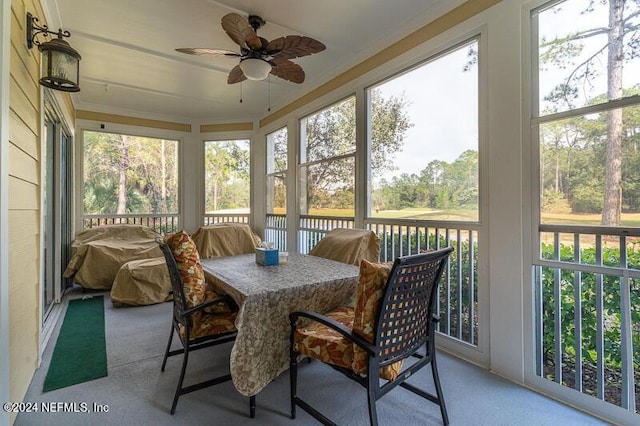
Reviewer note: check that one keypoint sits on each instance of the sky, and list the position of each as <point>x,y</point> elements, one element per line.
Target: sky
<point>443,99</point>
<point>443,109</point>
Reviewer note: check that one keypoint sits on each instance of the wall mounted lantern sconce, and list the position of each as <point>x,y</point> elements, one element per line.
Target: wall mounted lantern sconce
<point>60,61</point>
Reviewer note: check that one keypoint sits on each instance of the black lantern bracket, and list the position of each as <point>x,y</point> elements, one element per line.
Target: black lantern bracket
<point>33,29</point>
<point>60,67</point>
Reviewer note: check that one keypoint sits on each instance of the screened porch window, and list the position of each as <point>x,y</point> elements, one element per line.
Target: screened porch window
<point>277,171</point>
<point>130,179</point>
<point>276,220</point>
<point>423,140</point>
<point>586,122</point>
<point>226,180</point>
<point>327,161</point>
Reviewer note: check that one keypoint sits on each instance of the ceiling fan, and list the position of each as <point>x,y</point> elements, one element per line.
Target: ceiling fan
<point>259,57</point>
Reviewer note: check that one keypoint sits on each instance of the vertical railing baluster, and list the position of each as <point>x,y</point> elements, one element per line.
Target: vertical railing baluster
<point>626,342</point>
<point>448,295</point>
<point>577,313</point>
<point>537,276</point>
<point>472,290</point>
<point>459,284</point>
<point>393,241</point>
<point>599,322</point>
<point>557,312</point>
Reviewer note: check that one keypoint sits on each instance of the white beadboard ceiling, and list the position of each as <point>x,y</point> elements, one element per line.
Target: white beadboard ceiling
<point>129,65</point>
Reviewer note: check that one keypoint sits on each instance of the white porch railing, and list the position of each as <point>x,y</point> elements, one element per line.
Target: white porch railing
<point>162,223</point>
<point>275,230</point>
<point>213,218</point>
<point>458,292</point>
<point>586,287</point>
<point>458,301</point>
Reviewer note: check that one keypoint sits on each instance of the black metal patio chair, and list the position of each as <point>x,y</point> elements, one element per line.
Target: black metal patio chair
<point>197,329</point>
<point>401,309</point>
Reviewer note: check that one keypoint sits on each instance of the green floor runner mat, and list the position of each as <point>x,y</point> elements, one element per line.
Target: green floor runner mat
<point>80,354</point>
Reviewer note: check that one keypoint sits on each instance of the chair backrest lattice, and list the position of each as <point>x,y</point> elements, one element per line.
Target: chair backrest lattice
<point>179,300</point>
<point>408,303</point>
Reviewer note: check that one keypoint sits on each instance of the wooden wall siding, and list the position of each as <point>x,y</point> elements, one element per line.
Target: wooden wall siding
<point>24,202</point>
<point>18,131</point>
<point>23,166</point>
<point>24,298</point>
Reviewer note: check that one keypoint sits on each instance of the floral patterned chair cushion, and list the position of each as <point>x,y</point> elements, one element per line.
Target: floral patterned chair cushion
<point>196,290</point>
<point>211,324</point>
<point>369,293</point>
<point>323,343</point>
<point>188,261</point>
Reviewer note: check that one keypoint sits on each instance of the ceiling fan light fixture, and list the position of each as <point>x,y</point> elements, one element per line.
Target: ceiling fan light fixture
<point>255,68</point>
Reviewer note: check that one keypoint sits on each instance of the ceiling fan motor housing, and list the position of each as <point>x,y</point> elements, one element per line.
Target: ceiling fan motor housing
<point>255,21</point>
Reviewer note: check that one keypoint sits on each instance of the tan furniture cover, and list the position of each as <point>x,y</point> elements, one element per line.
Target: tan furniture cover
<point>99,253</point>
<point>348,246</point>
<point>142,282</point>
<point>225,239</point>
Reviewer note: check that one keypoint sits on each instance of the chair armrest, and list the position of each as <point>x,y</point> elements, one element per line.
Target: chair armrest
<point>334,325</point>
<point>225,298</point>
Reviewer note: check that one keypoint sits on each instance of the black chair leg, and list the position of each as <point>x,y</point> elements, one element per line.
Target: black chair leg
<point>185,359</point>
<point>371,399</point>
<point>293,378</point>
<point>166,353</point>
<point>436,381</point>
<point>252,406</point>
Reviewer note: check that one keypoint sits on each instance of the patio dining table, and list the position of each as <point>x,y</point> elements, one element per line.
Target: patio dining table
<point>266,295</point>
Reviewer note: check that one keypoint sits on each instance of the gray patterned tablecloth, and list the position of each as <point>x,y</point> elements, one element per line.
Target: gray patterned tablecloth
<point>266,295</point>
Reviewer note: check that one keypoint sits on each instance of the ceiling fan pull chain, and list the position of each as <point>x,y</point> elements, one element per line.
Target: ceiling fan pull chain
<point>240,92</point>
<point>269,93</point>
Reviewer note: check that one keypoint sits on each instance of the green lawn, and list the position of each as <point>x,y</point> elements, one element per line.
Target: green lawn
<point>628,219</point>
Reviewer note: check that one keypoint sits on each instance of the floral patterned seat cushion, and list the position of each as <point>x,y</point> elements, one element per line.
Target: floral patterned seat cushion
<point>211,325</point>
<point>321,342</point>
<point>325,344</point>
<point>369,293</point>
<point>188,261</point>
<point>196,290</point>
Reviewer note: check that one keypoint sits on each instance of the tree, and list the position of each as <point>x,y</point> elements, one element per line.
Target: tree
<point>129,174</point>
<point>330,136</point>
<point>623,24</point>
<point>226,175</point>
<point>389,124</point>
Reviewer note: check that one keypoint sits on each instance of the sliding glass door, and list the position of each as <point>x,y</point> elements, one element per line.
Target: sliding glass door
<point>56,210</point>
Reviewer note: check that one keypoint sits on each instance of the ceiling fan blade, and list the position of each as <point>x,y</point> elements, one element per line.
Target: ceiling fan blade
<point>207,51</point>
<point>287,70</point>
<point>294,46</point>
<point>240,31</point>
<point>236,75</point>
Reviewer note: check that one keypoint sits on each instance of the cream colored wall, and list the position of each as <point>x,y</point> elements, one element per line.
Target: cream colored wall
<point>24,204</point>
<point>25,118</point>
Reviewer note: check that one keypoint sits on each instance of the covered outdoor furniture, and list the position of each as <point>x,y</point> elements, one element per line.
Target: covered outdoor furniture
<point>141,282</point>
<point>201,317</point>
<point>97,254</point>
<point>348,246</point>
<point>225,239</point>
<point>393,320</point>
